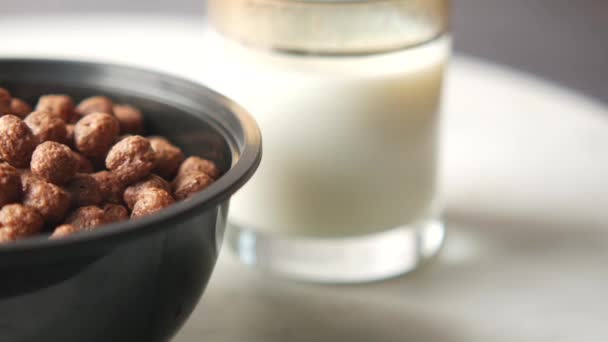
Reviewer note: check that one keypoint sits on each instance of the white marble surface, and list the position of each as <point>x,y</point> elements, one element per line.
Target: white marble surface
<point>526,182</point>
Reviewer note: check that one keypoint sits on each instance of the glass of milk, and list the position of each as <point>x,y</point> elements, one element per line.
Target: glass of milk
<point>347,94</point>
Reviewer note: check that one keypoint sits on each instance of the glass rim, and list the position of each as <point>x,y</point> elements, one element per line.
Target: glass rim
<point>331,27</point>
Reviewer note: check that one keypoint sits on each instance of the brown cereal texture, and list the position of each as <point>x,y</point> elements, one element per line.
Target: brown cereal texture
<point>84,191</point>
<point>69,135</point>
<point>20,108</point>
<point>10,184</point>
<point>46,127</point>
<point>168,157</point>
<point>51,201</point>
<point>131,159</point>
<point>95,104</point>
<point>151,201</point>
<point>8,234</point>
<point>132,193</point>
<point>188,185</point>
<point>27,177</point>
<point>130,118</point>
<point>198,165</point>
<point>25,220</point>
<point>60,105</point>
<point>49,158</point>
<point>64,230</point>
<point>87,218</point>
<point>5,101</point>
<point>110,186</point>
<point>54,162</point>
<point>115,213</point>
<point>95,134</point>
<point>84,164</point>
<point>16,141</point>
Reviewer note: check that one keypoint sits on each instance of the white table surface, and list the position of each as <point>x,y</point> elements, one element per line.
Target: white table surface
<point>526,182</point>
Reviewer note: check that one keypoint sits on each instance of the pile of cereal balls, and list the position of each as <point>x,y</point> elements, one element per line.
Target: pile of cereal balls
<point>66,169</point>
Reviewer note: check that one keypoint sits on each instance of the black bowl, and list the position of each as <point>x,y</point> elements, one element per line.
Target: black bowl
<point>138,280</point>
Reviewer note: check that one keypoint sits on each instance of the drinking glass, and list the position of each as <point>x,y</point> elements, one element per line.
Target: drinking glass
<point>347,95</point>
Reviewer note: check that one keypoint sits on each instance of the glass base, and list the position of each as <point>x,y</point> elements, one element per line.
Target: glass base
<point>340,260</point>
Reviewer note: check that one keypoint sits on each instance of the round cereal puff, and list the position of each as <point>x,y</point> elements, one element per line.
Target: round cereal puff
<point>54,162</point>
<point>168,156</point>
<point>16,141</point>
<point>20,108</point>
<point>95,134</point>
<point>95,104</point>
<point>51,201</point>
<point>131,159</point>
<point>60,105</point>
<point>189,185</point>
<point>130,118</point>
<point>46,127</point>
<point>87,218</point>
<point>197,165</point>
<point>132,193</point>
<point>115,213</point>
<point>151,201</point>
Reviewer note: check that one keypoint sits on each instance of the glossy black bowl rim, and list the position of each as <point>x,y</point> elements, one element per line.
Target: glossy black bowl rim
<point>247,161</point>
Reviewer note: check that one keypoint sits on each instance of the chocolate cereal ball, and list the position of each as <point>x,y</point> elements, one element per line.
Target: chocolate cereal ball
<point>25,220</point>
<point>131,159</point>
<point>64,230</point>
<point>168,157</point>
<point>153,181</point>
<point>188,185</point>
<point>87,218</point>
<point>10,184</point>
<point>84,191</point>
<point>95,104</point>
<point>130,118</point>
<point>60,105</point>
<point>150,201</point>
<point>16,141</point>
<point>51,201</point>
<point>5,101</point>
<point>20,108</point>
<point>54,162</point>
<point>197,165</point>
<point>111,187</point>
<point>115,213</point>
<point>46,126</point>
<point>95,133</point>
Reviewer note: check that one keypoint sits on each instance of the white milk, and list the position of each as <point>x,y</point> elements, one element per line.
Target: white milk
<point>350,143</point>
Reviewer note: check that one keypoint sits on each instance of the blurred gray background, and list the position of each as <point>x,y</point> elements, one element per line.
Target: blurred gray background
<point>564,41</point>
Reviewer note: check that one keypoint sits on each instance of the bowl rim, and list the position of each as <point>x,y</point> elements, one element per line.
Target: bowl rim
<point>247,162</point>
